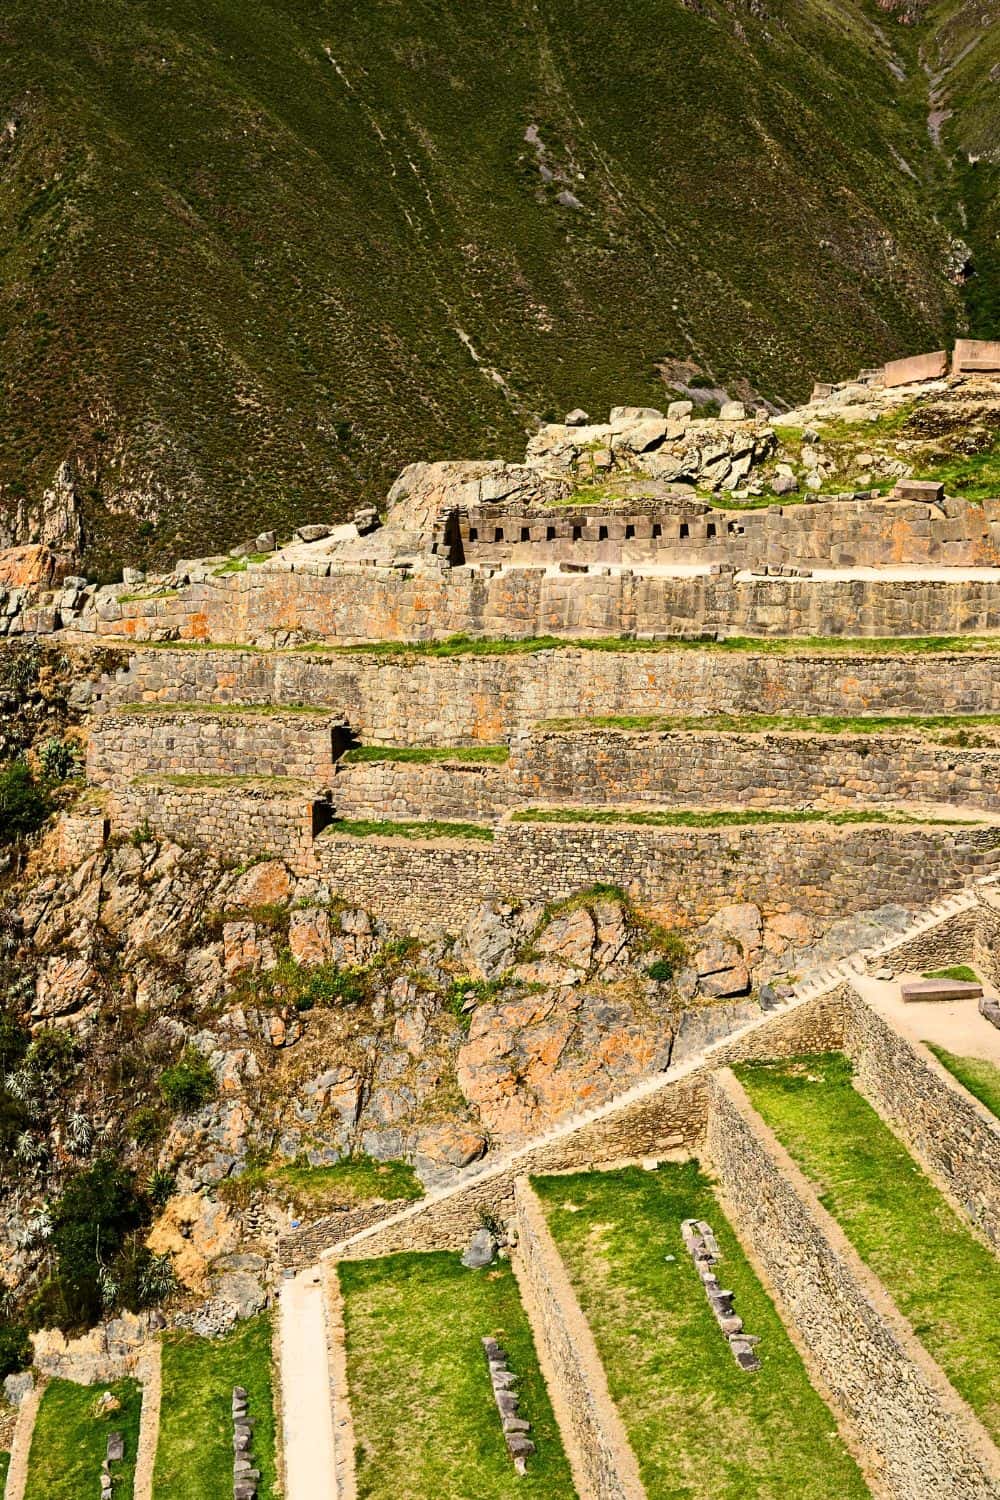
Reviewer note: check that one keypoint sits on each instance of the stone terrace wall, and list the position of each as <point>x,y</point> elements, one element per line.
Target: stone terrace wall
<point>374,605</point>
<point>658,1115</point>
<point>406,789</point>
<point>684,873</point>
<point>298,745</point>
<point>600,1452</point>
<point>412,700</point>
<point>919,1437</point>
<point>820,533</point>
<point>235,823</point>
<point>956,1137</point>
<point>751,770</point>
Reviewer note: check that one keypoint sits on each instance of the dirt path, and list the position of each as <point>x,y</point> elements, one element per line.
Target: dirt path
<point>17,1474</point>
<point>954,1024</point>
<point>306,1399</point>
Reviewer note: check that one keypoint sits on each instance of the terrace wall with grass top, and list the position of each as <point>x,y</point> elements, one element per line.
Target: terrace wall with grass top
<point>763,769</point>
<point>412,699</point>
<point>373,605</point>
<point>416,789</point>
<point>954,1136</point>
<point>298,745</point>
<point>603,1462</point>
<point>919,1436</point>
<point>234,822</point>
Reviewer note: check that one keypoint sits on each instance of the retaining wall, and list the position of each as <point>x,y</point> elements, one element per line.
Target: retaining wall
<point>918,1435</point>
<point>237,744</point>
<point>407,789</point>
<point>268,605</point>
<point>413,700</point>
<point>950,1132</point>
<point>604,1465</point>
<point>749,770</point>
<point>236,823</point>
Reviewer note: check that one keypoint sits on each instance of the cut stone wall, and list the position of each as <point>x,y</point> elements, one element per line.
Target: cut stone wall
<point>238,744</point>
<point>749,770</point>
<point>263,605</point>
<point>407,789</point>
<point>413,700</point>
<point>919,1437</point>
<point>660,1114</point>
<point>951,1133</point>
<point>234,823</point>
<point>604,1465</point>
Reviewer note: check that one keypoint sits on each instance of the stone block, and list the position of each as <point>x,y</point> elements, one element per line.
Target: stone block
<point>976,357</point>
<point>914,368</point>
<point>940,989</point>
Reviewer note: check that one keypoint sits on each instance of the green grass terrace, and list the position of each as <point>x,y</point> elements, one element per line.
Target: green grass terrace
<point>70,1440</point>
<point>699,1425</point>
<point>943,1279</point>
<point>425,1422</point>
<point>952,728</point>
<point>981,1078</point>
<point>194,1456</point>
<point>733,817</point>
<point>431,828</point>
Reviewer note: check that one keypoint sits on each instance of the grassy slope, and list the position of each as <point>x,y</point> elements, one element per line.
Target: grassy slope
<point>424,1417</point>
<point>241,243</point>
<point>981,1078</point>
<point>194,1457</point>
<point>696,1421</point>
<point>4,1466</point>
<point>69,1442</point>
<point>940,1277</point>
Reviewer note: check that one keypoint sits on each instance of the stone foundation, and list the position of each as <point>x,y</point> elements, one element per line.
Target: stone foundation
<point>916,1433</point>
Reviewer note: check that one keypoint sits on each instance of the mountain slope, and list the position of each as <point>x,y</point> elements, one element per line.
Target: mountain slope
<point>254,257</point>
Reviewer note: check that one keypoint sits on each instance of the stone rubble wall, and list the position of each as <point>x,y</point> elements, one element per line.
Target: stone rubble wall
<point>604,1465</point>
<point>821,533</point>
<point>918,1435</point>
<point>407,789</point>
<point>264,605</point>
<point>685,874</point>
<point>124,745</point>
<point>234,823</point>
<point>706,768</point>
<point>661,1114</point>
<point>955,1137</point>
<point>413,700</point>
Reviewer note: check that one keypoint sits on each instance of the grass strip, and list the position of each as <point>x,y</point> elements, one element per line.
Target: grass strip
<point>70,1441</point>
<point>956,724</point>
<point>194,1456</point>
<point>699,1425</point>
<point>253,710</point>
<point>461,645</point>
<point>940,1277</point>
<point>727,817</point>
<point>981,1078</point>
<point>960,972</point>
<point>495,755</point>
<point>194,781</point>
<point>362,828</point>
<point>355,1180</point>
<point>4,1466</point>
<point>424,1417</point>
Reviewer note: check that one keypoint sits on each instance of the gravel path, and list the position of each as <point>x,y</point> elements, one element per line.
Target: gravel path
<point>150,1373</point>
<point>17,1474</point>
<point>305,1390</point>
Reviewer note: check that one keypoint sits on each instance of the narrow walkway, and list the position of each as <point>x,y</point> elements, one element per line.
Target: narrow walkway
<point>954,1024</point>
<point>306,1395</point>
<point>150,1373</point>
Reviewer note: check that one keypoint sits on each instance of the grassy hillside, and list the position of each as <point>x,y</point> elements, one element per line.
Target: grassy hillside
<point>255,256</point>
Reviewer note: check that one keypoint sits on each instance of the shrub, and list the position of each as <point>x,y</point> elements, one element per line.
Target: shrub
<point>59,759</point>
<point>671,954</point>
<point>189,1084</point>
<point>92,1223</point>
<point>161,1186</point>
<point>24,805</point>
<point>15,1349</point>
<point>145,1126</point>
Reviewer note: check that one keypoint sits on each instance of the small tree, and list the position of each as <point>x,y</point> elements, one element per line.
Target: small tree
<point>189,1084</point>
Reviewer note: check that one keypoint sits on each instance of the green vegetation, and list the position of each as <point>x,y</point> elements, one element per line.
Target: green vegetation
<point>24,804</point>
<point>145,595</point>
<point>981,1078</point>
<point>356,1179</point>
<point>15,1348</point>
<point>185,290</point>
<point>960,972</point>
<point>194,1457</point>
<point>496,755</point>
<point>953,725</point>
<point>723,817</point>
<point>699,1425</point>
<point>414,1325</point>
<point>4,1466</point>
<point>940,1277</point>
<point>431,828</point>
<point>194,782</point>
<point>189,1083</point>
<point>305,986</point>
<point>70,1440</point>
<point>240,564</point>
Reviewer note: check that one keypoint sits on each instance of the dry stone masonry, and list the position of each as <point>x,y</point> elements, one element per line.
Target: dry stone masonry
<point>515,1427</point>
<point>245,1474</point>
<point>704,1251</point>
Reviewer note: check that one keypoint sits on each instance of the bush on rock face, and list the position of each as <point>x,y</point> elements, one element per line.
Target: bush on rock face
<point>189,1084</point>
<point>15,1349</point>
<point>24,805</point>
<point>94,1231</point>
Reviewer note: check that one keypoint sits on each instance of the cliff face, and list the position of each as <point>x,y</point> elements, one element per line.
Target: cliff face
<point>257,257</point>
